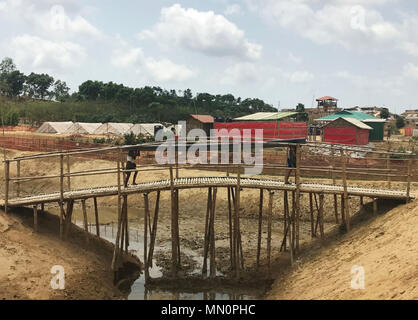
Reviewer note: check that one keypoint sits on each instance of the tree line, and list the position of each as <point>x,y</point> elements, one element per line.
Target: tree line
<point>36,98</point>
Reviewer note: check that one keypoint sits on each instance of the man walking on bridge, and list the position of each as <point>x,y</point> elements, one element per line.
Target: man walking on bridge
<point>131,165</point>
<point>291,162</point>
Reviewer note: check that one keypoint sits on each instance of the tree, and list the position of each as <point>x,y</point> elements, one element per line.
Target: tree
<point>384,113</point>
<point>7,66</point>
<point>400,122</point>
<point>37,85</point>
<point>61,91</point>
<point>302,115</point>
<point>91,89</point>
<point>15,81</point>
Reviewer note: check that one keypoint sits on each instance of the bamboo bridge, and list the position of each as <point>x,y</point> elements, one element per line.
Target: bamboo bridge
<point>234,181</point>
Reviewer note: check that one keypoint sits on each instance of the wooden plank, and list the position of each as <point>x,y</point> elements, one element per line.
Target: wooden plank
<point>408,186</point>
<point>174,245</point>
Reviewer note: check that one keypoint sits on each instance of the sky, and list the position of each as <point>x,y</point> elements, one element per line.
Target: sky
<point>363,52</point>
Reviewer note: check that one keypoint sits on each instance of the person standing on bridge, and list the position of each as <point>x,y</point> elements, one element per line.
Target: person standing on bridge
<point>291,162</point>
<point>131,165</point>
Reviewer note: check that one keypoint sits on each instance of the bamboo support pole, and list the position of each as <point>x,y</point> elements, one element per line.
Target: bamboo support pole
<point>35,218</point>
<point>154,230</point>
<point>83,205</point>
<point>212,272</point>
<point>146,214</point>
<point>18,176</point>
<point>61,196</point>
<point>236,222</point>
<point>321,214</point>
<point>290,228</point>
<point>297,193</point>
<point>207,234</point>
<point>68,173</point>
<point>285,220</point>
<point>96,215</point>
<point>269,226</point>
<point>294,221</point>
<point>260,224</point>
<point>408,186</point>
<point>176,193</point>
<point>125,202</point>
<point>231,241</point>
<point>346,209</point>
<point>388,165</point>
<point>118,232</point>
<point>68,217</point>
<point>7,184</point>
<point>361,201</point>
<point>174,245</point>
<point>312,215</point>
<point>375,206</point>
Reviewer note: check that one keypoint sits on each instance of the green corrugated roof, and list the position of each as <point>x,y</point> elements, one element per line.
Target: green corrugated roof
<point>263,116</point>
<point>348,114</point>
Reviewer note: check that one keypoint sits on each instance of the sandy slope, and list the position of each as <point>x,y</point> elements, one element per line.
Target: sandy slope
<point>387,249</point>
<point>26,259</point>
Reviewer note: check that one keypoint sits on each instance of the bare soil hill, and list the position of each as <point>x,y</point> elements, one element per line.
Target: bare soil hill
<point>385,246</point>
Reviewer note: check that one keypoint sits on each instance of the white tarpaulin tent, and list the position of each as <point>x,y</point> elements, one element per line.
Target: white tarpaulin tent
<point>144,129</point>
<point>83,128</point>
<point>54,127</point>
<point>113,128</point>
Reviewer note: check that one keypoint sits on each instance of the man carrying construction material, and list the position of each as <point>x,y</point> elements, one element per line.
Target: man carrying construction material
<point>291,162</point>
<point>130,165</point>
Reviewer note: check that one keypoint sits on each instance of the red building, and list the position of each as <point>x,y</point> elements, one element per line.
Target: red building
<point>346,131</point>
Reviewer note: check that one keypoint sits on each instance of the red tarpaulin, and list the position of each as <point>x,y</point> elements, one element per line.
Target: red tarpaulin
<point>346,135</point>
<point>271,130</point>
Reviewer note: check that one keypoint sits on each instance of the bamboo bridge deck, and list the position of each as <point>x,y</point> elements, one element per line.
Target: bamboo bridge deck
<point>206,182</point>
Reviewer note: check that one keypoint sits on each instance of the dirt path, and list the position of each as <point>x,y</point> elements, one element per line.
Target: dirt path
<point>385,246</point>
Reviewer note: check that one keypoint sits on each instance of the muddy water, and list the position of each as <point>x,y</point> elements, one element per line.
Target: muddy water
<point>161,255</point>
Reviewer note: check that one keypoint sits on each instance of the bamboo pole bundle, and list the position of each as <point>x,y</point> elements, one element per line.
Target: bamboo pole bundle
<point>260,222</point>
<point>61,196</point>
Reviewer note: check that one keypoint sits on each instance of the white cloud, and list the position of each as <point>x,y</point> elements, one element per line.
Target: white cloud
<point>240,73</point>
<point>41,54</point>
<point>200,31</point>
<point>52,18</point>
<point>344,22</point>
<point>233,9</point>
<point>294,58</point>
<point>300,77</point>
<point>157,70</point>
<point>411,70</point>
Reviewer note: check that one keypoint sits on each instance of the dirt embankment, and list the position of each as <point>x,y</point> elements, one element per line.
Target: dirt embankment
<point>26,259</point>
<point>385,246</point>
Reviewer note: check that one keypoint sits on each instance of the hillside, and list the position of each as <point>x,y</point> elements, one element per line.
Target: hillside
<point>385,246</point>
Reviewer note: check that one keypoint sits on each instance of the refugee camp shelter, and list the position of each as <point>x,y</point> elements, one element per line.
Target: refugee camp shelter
<point>346,131</point>
<point>275,125</point>
<point>267,116</point>
<point>146,129</point>
<point>377,125</point>
<point>199,121</point>
<point>54,127</point>
<point>113,129</point>
<point>82,128</point>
